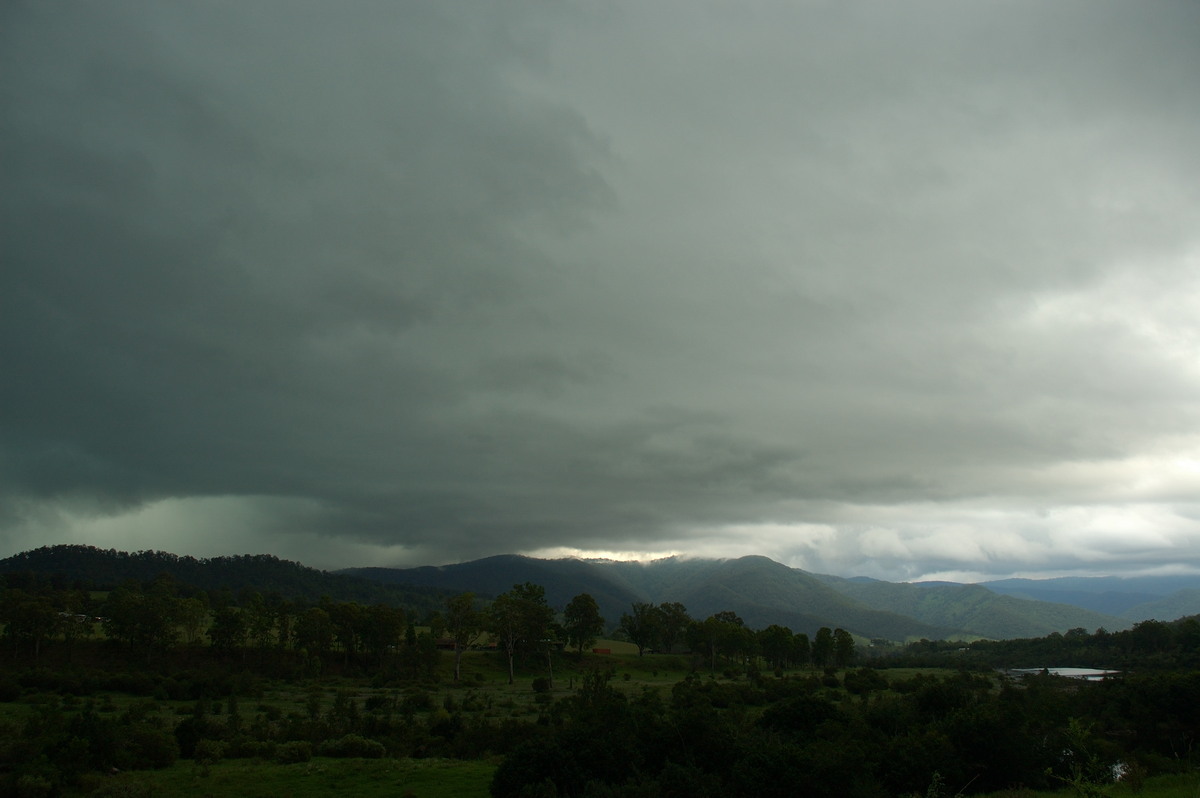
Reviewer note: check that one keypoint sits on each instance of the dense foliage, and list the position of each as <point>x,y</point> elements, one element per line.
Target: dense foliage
<point>763,737</point>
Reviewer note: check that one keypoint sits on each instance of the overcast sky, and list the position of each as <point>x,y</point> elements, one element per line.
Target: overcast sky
<point>906,289</point>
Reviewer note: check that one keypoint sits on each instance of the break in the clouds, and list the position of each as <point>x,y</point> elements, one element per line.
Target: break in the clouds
<point>888,288</point>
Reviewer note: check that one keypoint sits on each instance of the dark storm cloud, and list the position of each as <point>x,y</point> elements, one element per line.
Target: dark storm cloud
<point>875,287</point>
<point>207,271</point>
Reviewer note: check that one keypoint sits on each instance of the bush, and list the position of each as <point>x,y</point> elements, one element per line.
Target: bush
<point>416,701</point>
<point>149,748</point>
<point>32,786</point>
<point>9,690</point>
<point>800,715</point>
<point>209,751</point>
<point>864,680</point>
<point>293,752</point>
<point>374,703</point>
<point>245,747</point>
<point>352,745</point>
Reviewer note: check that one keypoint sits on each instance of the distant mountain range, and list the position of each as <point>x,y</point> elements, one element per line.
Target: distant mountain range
<point>1136,598</point>
<point>758,589</point>
<point>763,592</point>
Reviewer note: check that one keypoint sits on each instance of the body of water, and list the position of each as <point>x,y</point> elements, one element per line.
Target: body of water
<point>1087,674</point>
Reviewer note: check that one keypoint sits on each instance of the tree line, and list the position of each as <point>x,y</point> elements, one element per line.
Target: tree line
<point>163,615</point>
<point>1148,645</point>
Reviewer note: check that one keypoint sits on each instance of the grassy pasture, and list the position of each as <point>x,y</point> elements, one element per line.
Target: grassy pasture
<point>363,778</point>
<point>1181,785</point>
<point>483,694</point>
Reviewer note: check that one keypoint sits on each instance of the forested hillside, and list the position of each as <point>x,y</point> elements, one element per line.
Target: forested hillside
<point>759,590</point>
<point>90,568</point>
<point>975,609</point>
<point>1133,598</point>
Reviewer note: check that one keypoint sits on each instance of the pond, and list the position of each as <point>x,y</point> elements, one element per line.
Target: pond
<point>1087,674</point>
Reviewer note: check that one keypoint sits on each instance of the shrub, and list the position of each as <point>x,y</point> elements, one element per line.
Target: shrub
<point>209,751</point>
<point>149,748</point>
<point>352,745</point>
<point>243,746</point>
<point>416,701</point>
<point>864,680</point>
<point>293,752</point>
<point>33,786</point>
<point>9,690</point>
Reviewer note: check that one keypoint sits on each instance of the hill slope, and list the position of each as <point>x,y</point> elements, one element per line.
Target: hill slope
<point>491,576</point>
<point>763,592</point>
<point>758,589</point>
<point>1111,595</point>
<point>1177,605</point>
<point>975,608</point>
<point>104,569</point>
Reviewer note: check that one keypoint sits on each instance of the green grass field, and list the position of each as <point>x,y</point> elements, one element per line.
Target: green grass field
<point>362,778</point>
<point>483,693</point>
<point>1184,785</point>
<point>429,778</point>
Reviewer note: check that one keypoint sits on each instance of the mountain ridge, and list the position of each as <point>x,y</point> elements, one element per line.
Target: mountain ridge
<point>760,590</point>
<point>763,591</point>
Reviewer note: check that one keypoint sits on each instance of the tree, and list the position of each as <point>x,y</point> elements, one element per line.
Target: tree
<point>776,644</point>
<point>437,624</point>
<point>582,621</point>
<point>801,649</point>
<point>673,622</point>
<point>228,630</point>
<point>382,628</point>
<point>822,647</point>
<point>348,619</point>
<point>843,648</point>
<point>284,619</point>
<point>314,631</point>
<point>538,619</point>
<point>141,620</point>
<point>260,620</point>
<point>721,633</point>
<point>28,619</point>
<point>733,636</point>
<point>191,614</point>
<point>504,622</point>
<point>464,624</point>
<point>76,618</point>
<point>642,626</point>
<point>519,618</point>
